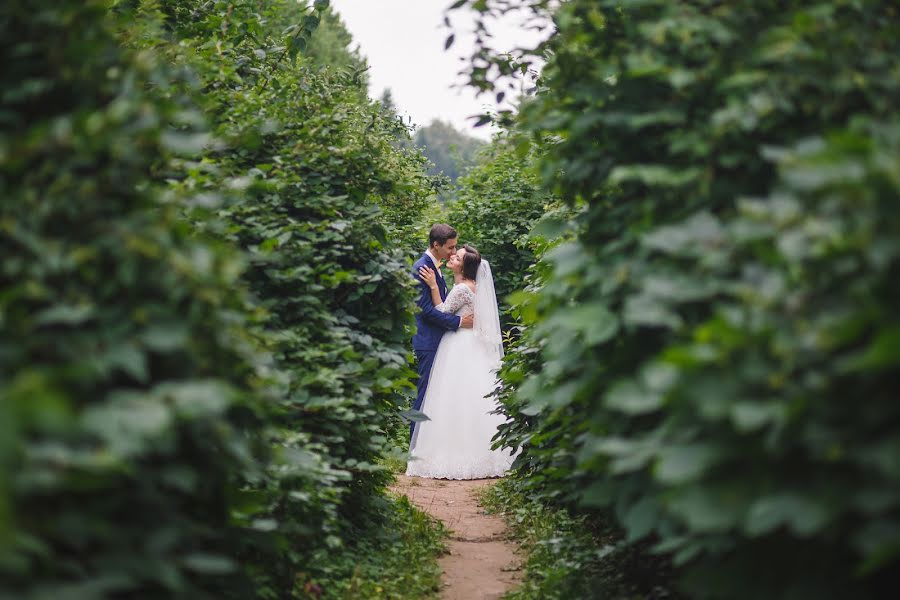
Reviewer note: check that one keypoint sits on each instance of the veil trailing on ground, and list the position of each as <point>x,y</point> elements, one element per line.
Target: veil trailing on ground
<point>487,315</point>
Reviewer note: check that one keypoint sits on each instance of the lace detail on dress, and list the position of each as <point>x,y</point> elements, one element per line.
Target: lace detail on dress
<point>480,466</point>
<point>460,301</point>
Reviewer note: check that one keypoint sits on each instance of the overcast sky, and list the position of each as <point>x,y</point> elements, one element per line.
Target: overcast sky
<point>403,41</point>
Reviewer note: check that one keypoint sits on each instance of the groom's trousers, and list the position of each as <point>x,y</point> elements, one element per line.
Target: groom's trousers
<point>424,360</point>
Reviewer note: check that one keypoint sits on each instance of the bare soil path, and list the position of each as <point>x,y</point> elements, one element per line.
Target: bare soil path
<point>482,563</point>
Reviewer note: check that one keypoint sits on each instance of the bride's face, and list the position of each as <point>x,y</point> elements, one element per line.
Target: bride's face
<point>455,262</point>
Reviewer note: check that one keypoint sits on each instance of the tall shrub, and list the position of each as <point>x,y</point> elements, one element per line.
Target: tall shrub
<point>128,380</point>
<point>718,344</point>
<point>498,201</point>
<point>204,323</point>
<point>311,175</point>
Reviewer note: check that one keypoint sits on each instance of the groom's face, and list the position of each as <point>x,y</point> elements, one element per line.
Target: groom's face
<point>446,251</point>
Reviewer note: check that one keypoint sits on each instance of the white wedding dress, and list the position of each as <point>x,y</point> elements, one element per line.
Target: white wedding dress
<point>456,442</point>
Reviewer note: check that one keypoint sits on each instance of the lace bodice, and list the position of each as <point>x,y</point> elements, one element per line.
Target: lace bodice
<point>460,301</point>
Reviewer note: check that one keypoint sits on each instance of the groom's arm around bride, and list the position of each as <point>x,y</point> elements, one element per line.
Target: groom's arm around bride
<point>431,323</point>
<point>427,311</point>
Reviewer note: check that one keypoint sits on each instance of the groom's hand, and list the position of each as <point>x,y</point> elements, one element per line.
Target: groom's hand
<point>467,321</point>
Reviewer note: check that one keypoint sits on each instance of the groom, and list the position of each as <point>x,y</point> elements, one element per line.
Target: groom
<point>430,322</point>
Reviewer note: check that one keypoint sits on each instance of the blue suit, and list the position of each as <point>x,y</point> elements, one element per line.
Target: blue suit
<point>430,327</point>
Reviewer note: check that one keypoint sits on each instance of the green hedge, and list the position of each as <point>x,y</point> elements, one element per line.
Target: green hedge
<point>498,201</point>
<point>718,346</point>
<point>315,189</point>
<point>128,381</point>
<point>204,321</point>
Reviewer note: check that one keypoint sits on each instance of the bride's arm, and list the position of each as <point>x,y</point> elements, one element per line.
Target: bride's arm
<point>430,279</point>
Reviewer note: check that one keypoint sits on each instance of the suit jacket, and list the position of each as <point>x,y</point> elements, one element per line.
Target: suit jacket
<point>430,322</point>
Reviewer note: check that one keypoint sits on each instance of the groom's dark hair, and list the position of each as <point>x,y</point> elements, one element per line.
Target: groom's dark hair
<point>440,233</point>
<point>471,262</point>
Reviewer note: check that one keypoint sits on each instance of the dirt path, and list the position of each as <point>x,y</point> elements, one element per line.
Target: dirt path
<point>482,564</point>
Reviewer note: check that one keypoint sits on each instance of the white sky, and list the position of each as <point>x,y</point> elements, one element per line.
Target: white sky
<point>403,41</point>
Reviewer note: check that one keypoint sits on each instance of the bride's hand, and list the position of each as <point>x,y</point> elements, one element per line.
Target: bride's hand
<point>428,277</point>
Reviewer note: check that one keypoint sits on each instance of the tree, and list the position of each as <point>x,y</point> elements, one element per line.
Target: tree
<point>450,150</point>
<point>498,202</point>
<point>329,47</point>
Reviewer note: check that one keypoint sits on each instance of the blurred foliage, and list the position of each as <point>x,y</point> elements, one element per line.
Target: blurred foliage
<point>711,358</point>
<point>133,395</point>
<point>452,152</point>
<point>395,561</point>
<point>204,322</point>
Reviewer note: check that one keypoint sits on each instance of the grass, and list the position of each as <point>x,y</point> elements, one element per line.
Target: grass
<point>398,438</point>
<point>395,461</point>
<point>575,557</point>
<point>396,562</point>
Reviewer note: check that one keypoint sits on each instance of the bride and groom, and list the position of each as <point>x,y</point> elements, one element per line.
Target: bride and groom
<point>458,348</point>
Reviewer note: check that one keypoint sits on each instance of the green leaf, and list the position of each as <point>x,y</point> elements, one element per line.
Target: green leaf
<point>598,494</point>
<point>704,510</point>
<point>694,236</point>
<point>130,359</point>
<point>630,398</point>
<point>678,464</point>
<point>264,525</point>
<point>882,353</point>
<point>415,416</point>
<point>640,519</point>
<point>195,399</point>
<point>659,376</point>
<point>802,514</point>
<point>165,337</point>
<point>677,287</point>
<point>595,322</point>
<point>208,564</point>
<point>644,310</point>
<point>127,421</point>
<point>879,543</point>
<point>65,315</point>
<point>653,175</point>
<point>751,416</point>
<point>185,144</point>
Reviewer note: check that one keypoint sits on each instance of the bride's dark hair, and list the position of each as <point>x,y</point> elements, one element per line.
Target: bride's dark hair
<point>471,262</point>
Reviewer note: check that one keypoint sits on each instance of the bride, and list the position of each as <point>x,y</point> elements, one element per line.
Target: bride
<point>456,442</point>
